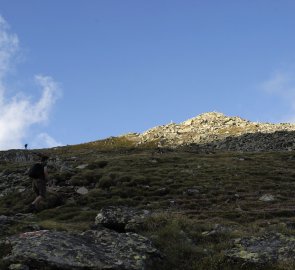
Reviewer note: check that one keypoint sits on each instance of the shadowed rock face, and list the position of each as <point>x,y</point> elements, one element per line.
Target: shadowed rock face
<point>102,249</point>
<point>251,142</point>
<point>266,249</point>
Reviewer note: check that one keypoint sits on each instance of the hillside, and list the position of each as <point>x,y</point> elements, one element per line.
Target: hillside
<point>126,203</point>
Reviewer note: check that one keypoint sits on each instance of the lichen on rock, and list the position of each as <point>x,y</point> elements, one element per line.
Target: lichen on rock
<point>266,249</point>
<point>103,249</point>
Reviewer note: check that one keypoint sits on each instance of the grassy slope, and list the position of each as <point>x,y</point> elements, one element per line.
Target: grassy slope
<point>191,192</point>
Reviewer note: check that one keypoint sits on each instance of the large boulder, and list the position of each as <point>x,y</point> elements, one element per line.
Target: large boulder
<point>266,249</point>
<point>103,249</point>
<point>121,219</point>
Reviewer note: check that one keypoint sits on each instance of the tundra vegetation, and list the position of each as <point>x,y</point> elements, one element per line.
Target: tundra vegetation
<point>203,203</point>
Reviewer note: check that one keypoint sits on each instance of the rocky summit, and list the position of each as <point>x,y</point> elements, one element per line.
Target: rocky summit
<point>215,131</point>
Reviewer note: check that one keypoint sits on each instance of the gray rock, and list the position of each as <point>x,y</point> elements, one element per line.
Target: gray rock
<point>82,166</point>
<point>121,218</point>
<point>266,249</point>
<point>18,267</point>
<point>93,250</point>
<point>192,191</point>
<point>21,190</point>
<point>218,229</point>
<point>267,198</point>
<point>82,191</point>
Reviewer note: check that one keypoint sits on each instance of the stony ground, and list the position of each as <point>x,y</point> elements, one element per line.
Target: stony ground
<point>208,211</point>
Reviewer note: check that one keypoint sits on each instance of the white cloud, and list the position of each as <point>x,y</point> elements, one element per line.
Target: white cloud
<point>282,84</point>
<point>44,140</point>
<point>9,45</point>
<point>19,113</point>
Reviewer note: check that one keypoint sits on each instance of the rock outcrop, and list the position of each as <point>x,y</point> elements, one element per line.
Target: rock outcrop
<point>16,156</point>
<point>101,249</point>
<point>12,181</point>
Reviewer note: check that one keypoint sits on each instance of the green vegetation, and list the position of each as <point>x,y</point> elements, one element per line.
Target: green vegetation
<point>202,201</point>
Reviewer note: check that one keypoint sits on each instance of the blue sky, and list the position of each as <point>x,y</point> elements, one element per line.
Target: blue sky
<point>75,71</point>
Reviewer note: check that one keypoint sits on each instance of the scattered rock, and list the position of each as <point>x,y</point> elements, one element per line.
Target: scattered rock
<point>83,166</point>
<point>18,267</point>
<point>267,198</point>
<point>153,161</point>
<point>21,190</point>
<point>170,181</point>
<point>121,218</point>
<point>192,191</point>
<point>218,229</point>
<point>82,191</point>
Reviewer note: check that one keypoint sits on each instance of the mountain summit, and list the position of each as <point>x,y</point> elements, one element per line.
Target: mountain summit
<point>215,128</point>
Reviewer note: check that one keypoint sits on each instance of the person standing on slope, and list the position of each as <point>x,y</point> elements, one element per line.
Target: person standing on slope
<point>39,174</point>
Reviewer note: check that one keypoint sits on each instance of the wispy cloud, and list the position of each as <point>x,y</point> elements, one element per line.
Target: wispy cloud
<point>44,140</point>
<point>19,113</point>
<point>282,84</point>
<point>9,44</point>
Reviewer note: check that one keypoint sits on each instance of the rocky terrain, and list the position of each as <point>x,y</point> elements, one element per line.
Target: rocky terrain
<point>213,192</point>
<point>215,131</point>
